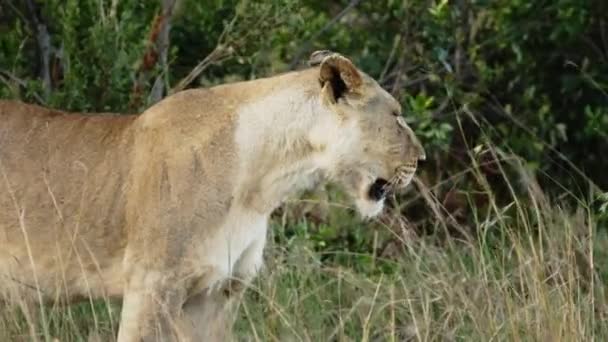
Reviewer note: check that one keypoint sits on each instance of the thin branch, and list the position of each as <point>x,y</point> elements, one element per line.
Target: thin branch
<point>604,35</point>
<point>400,69</point>
<point>223,50</point>
<point>439,111</point>
<point>396,42</point>
<point>218,54</point>
<point>232,37</point>
<point>18,13</point>
<point>495,104</point>
<point>44,45</point>
<point>10,77</point>
<point>306,46</point>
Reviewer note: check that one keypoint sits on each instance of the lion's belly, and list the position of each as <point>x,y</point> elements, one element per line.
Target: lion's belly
<point>60,275</point>
<point>68,243</point>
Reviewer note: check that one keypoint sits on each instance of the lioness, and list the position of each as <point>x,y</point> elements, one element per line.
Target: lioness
<point>162,209</point>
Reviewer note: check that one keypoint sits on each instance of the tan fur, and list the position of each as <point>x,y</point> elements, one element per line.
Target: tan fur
<point>162,209</point>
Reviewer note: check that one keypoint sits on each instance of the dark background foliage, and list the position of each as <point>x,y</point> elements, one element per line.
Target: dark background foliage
<point>503,233</point>
<point>529,76</point>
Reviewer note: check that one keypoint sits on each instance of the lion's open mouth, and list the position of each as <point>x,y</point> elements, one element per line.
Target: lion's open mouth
<point>379,189</point>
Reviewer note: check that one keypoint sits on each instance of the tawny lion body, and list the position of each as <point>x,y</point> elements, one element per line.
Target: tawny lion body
<point>162,209</point>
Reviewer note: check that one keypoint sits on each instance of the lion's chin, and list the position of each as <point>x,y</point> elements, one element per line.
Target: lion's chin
<point>369,208</point>
<point>370,200</point>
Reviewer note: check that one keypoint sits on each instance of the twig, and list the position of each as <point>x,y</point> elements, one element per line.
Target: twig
<point>495,104</point>
<point>400,69</point>
<point>444,104</point>
<point>389,60</point>
<point>219,53</point>
<point>306,46</point>
<point>223,49</point>
<point>44,45</point>
<point>604,35</point>
<point>18,13</point>
<point>20,82</point>
<point>227,44</point>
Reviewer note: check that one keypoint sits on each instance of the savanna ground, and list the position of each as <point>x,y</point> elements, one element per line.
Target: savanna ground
<point>503,236</point>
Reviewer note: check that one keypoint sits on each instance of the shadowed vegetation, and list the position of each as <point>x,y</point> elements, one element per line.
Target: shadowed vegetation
<point>503,235</point>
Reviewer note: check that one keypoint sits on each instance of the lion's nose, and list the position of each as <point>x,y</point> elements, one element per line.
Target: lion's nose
<point>418,149</point>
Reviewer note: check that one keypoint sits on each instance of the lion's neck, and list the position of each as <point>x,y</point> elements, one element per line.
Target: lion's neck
<point>282,140</point>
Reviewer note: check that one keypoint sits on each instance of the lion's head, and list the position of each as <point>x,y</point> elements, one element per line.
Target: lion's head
<point>386,151</point>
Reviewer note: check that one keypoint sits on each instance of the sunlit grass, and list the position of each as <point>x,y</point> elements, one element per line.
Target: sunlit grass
<point>522,290</point>
<point>524,269</point>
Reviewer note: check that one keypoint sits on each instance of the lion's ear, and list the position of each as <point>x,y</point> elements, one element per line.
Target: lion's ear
<point>316,58</point>
<point>337,74</point>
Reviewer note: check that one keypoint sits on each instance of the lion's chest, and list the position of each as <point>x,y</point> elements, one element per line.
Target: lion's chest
<point>236,248</point>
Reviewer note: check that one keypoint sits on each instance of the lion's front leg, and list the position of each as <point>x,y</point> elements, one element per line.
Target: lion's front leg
<point>151,306</point>
<point>208,315</point>
<point>246,268</point>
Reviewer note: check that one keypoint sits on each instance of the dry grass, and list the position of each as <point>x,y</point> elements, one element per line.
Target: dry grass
<point>522,287</point>
<point>531,270</point>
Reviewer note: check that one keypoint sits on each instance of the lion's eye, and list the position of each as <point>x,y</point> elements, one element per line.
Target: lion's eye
<point>395,114</point>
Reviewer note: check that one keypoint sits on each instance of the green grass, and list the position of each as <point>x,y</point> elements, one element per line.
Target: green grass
<point>526,290</point>
<point>523,291</point>
<point>524,269</point>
